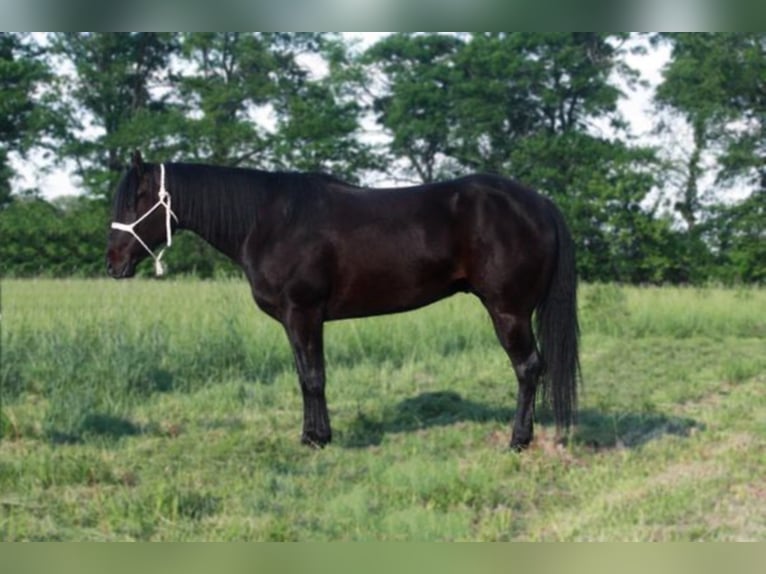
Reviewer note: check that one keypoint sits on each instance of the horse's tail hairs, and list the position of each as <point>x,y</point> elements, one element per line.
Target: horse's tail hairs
<point>558,330</point>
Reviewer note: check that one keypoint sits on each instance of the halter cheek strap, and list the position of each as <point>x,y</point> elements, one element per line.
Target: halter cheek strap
<point>162,201</point>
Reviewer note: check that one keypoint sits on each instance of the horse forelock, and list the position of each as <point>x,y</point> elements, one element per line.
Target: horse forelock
<point>125,196</point>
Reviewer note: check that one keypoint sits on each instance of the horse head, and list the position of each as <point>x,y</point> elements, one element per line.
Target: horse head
<point>140,224</point>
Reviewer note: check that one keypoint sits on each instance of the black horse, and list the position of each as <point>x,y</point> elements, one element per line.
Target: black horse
<point>315,249</point>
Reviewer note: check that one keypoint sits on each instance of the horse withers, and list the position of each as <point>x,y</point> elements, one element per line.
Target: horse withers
<point>317,249</point>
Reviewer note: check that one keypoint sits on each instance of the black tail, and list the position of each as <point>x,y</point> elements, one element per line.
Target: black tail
<point>558,330</point>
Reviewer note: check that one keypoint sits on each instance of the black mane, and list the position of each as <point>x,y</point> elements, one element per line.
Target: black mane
<point>222,203</point>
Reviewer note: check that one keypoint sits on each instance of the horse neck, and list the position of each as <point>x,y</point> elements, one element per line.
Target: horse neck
<point>209,201</point>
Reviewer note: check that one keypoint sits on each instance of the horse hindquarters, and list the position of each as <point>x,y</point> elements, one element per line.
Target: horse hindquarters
<point>512,256</point>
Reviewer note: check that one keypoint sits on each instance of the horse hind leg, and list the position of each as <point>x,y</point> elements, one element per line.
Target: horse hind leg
<point>515,334</point>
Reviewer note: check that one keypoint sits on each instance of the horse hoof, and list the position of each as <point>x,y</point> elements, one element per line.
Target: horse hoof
<point>519,445</point>
<point>315,440</point>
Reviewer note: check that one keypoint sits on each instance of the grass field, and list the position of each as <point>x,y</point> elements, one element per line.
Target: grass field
<point>169,410</point>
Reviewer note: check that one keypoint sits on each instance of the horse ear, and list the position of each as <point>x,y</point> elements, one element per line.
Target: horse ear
<point>138,162</point>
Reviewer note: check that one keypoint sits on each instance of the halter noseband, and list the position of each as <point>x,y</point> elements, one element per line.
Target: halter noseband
<point>164,201</point>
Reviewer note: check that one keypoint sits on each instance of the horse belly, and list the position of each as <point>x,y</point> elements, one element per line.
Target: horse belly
<point>396,275</point>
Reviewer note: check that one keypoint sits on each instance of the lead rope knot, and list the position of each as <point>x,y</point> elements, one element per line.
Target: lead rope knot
<point>163,198</point>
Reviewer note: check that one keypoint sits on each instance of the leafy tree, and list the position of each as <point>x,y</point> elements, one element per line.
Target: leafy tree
<point>24,116</point>
<point>318,119</point>
<point>415,104</point>
<point>236,85</point>
<point>693,86</point>
<point>231,77</point>
<point>716,83</point>
<point>601,186</point>
<point>727,71</point>
<point>517,85</point>
<point>117,94</point>
<point>737,236</point>
<point>318,132</point>
<point>40,238</point>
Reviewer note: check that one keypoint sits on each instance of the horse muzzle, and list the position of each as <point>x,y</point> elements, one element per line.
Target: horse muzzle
<point>122,270</point>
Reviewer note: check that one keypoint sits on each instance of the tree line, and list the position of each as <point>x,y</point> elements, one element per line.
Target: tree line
<point>542,108</point>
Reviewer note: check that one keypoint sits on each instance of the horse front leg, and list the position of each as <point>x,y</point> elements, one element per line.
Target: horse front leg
<point>304,330</point>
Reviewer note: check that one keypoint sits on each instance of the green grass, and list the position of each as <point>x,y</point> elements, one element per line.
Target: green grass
<point>169,410</point>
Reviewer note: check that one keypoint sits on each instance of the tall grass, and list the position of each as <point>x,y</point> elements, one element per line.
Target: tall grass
<point>678,312</point>
<point>169,410</point>
<point>101,346</point>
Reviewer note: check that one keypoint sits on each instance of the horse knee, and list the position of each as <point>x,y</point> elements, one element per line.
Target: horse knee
<point>313,384</point>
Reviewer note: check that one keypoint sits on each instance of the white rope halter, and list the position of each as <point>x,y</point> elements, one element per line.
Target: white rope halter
<point>164,201</point>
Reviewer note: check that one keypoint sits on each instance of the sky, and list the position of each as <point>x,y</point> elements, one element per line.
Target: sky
<point>39,172</point>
